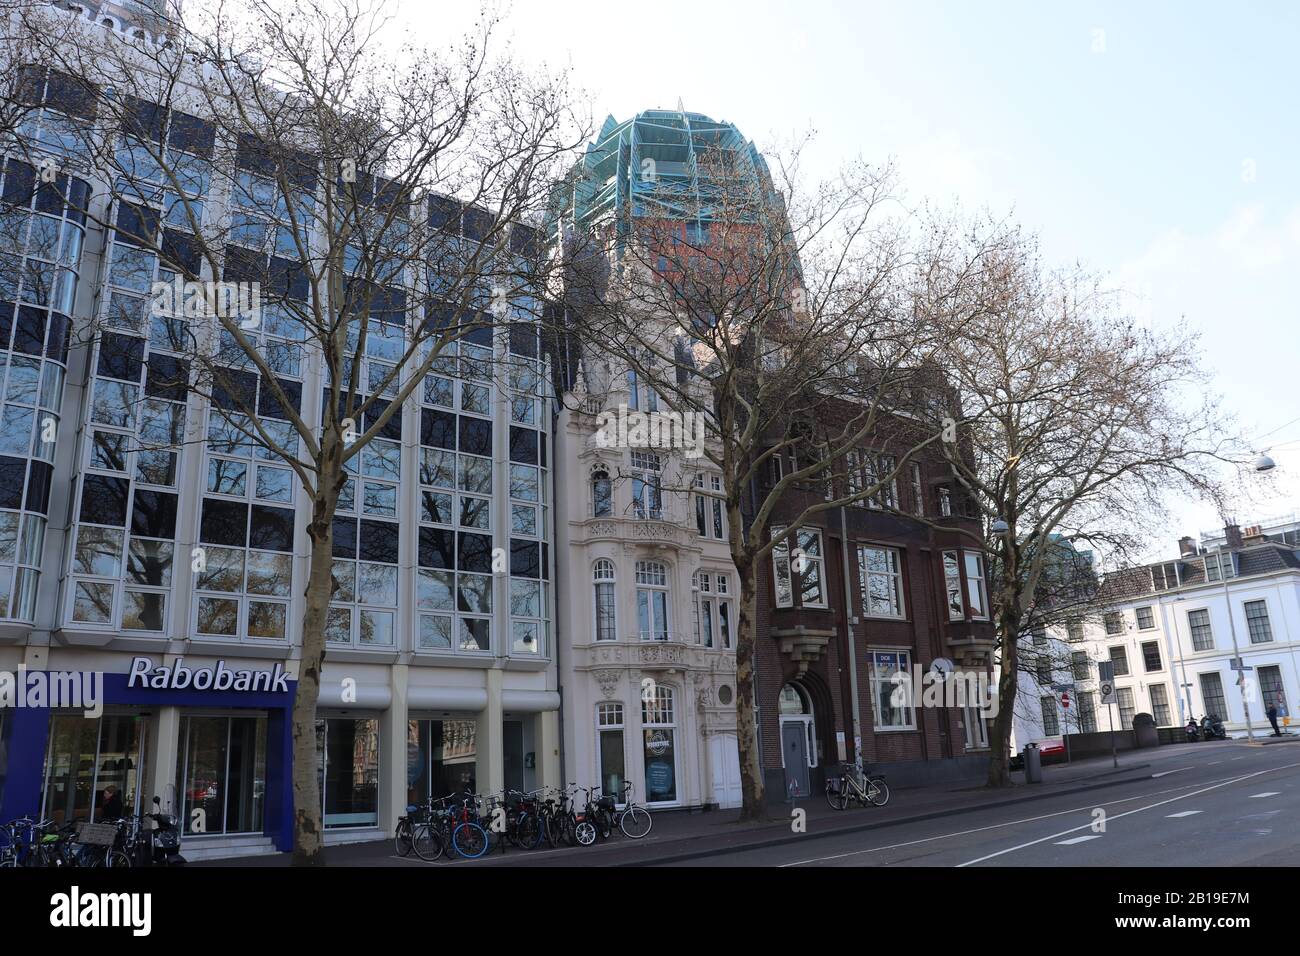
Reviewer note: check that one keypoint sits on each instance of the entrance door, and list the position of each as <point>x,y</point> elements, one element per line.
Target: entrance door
<point>794,750</point>
<point>222,769</point>
<point>724,767</point>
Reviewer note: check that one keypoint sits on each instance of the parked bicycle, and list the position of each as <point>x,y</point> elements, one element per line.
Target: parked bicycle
<point>859,787</point>
<point>632,819</point>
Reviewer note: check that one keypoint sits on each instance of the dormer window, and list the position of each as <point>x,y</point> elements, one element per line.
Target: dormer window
<point>1220,566</point>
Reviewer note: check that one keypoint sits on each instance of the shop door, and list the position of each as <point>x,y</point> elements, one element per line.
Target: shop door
<point>222,769</point>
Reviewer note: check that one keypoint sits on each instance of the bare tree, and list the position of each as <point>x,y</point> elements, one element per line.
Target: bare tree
<point>297,192</point>
<point>790,321</point>
<point>1076,425</point>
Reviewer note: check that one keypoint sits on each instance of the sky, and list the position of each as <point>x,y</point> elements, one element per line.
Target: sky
<point>1156,143</point>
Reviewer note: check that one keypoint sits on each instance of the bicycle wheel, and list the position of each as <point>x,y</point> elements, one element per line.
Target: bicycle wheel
<point>428,843</point>
<point>878,791</point>
<point>605,821</point>
<point>528,831</point>
<point>402,839</point>
<point>118,858</point>
<point>470,840</point>
<point>635,822</point>
<point>551,826</point>
<point>585,832</point>
<point>838,799</point>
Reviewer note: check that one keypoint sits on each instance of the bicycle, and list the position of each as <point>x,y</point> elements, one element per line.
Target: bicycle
<point>593,823</point>
<point>634,820</point>
<point>845,786</point>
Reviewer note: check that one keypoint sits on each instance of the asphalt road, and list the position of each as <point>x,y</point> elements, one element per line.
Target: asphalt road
<point>1218,804</point>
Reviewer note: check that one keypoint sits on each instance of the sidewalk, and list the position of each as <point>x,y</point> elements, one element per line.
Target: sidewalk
<point>681,836</point>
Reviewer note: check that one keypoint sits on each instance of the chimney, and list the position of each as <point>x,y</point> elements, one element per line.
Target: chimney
<point>1232,532</point>
<point>1253,535</point>
<point>1186,546</point>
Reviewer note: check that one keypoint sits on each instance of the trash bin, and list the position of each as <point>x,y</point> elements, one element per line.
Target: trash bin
<point>1033,764</point>
<point>1144,731</point>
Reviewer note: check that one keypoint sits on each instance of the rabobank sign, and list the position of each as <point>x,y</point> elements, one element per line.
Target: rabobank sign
<point>216,677</point>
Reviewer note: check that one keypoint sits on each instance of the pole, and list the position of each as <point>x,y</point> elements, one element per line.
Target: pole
<point>1236,653</point>
<point>1110,713</point>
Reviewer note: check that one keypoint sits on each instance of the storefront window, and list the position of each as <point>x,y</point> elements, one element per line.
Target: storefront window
<point>440,758</point>
<point>609,723</point>
<point>657,716</point>
<point>93,768</point>
<point>348,755</point>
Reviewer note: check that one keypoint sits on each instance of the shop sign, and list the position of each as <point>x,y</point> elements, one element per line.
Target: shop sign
<point>218,677</point>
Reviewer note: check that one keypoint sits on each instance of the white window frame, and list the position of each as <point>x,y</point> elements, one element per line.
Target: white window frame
<point>876,681</point>
<point>894,575</point>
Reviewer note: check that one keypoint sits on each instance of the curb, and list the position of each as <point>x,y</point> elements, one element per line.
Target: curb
<point>859,828</point>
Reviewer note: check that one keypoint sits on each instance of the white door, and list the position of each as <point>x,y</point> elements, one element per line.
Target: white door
<point>724,763</point>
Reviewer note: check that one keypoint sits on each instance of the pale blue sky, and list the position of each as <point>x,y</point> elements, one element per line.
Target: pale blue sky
<point>1156,142</point>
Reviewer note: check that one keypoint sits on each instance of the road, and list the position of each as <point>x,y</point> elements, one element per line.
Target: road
<point>1222,804</point>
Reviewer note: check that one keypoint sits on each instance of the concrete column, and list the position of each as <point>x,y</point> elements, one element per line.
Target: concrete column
<point>548,749</point>
<point>392,737</point>
<point>491,774</point>
<point>164,756</point>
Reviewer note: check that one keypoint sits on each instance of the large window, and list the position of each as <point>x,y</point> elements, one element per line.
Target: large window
<point>647,491</point>
<point>1212,694</point>
<point>952,584</point>
<point>1160,705</point>
<point>880,575</point>
<point>1151,656</point>
<point>606,617</point>
<point>1271,689</point>
<point>1114,621</point>
<point>1127,708</point>
<point>1051,718</point>
<point>1261,632</point>
<point>1145,618</point>
<point>714,609</point>
<point>221,772</point>
<point>94,768</point>
<point>1080,665</point>
<point>1119,658</point>
<point>659,723</point>
<point>652,601</point>
<point>709,522</point>
<point>801,569</point>
<point>976,588</point>
<point>1199,623</point>
<point>1087,712</point>
<point>602,495</point>
<point>441,758</point>
<point>891,690</point>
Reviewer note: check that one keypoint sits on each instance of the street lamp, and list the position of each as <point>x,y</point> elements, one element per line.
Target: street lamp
<point>1264,463</point>
<point>999,527</point>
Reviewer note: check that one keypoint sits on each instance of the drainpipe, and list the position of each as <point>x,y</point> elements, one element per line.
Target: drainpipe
<point>853,653</point>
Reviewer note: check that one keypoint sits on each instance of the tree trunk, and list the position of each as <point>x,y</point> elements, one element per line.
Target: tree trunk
<point>1000,743</point>
<point>754,805</point>
<point>308,842</point>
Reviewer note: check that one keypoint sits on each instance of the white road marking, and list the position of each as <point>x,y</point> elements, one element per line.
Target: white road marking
<point>1117,816</point>
<point>994,826</point>
<point>1266,793</point>
<point>1185,813</point>
<point>1214,763</point>
<point>1080,839</point>
<point>1165,773</point>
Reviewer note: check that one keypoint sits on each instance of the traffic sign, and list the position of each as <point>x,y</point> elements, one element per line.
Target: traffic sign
<point>1065,699</point>
<point>1108,695</point>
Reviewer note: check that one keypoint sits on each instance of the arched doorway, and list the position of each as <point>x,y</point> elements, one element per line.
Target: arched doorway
<point>798,738</point>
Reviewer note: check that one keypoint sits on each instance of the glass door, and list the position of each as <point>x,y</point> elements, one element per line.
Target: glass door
<point>222,773</point>
<point>93,767</point>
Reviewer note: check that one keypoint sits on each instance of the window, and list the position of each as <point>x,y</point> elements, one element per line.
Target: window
<point>1074,631</point>
<point>918,491</point>
<point>1220,566</point>
<point>1119,658</point>
<point>1270,686</point>
<point>713,610</point>
<point>802,569</point>
<point>1165,577</point>
<point>1088,712</point>
<point>891,686</point>
<point>708,509</point>
<point>1039,634</point>
<point>1051,720</point>
<point>1114,621</point>
<point>1160,705</point>
<point>975,587</point>
<point>1145,619</point>
<point>1257,622</point>
<point>880,575</point>
<point>1044,673</point>
<point>1151,656</point>
<point>1212,695</point>
<point>347,752</point>
<point>952,580</point>
<point>647,493</point>
<point>609,727</point>
<point>652,600</point>
<point>1198,622</point>
<point>1080,665</point>
<point>659,730</point>
<point>1126,707</point>
<point>602,495</point>
<point>606,618</point>
<point>945,502</point>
